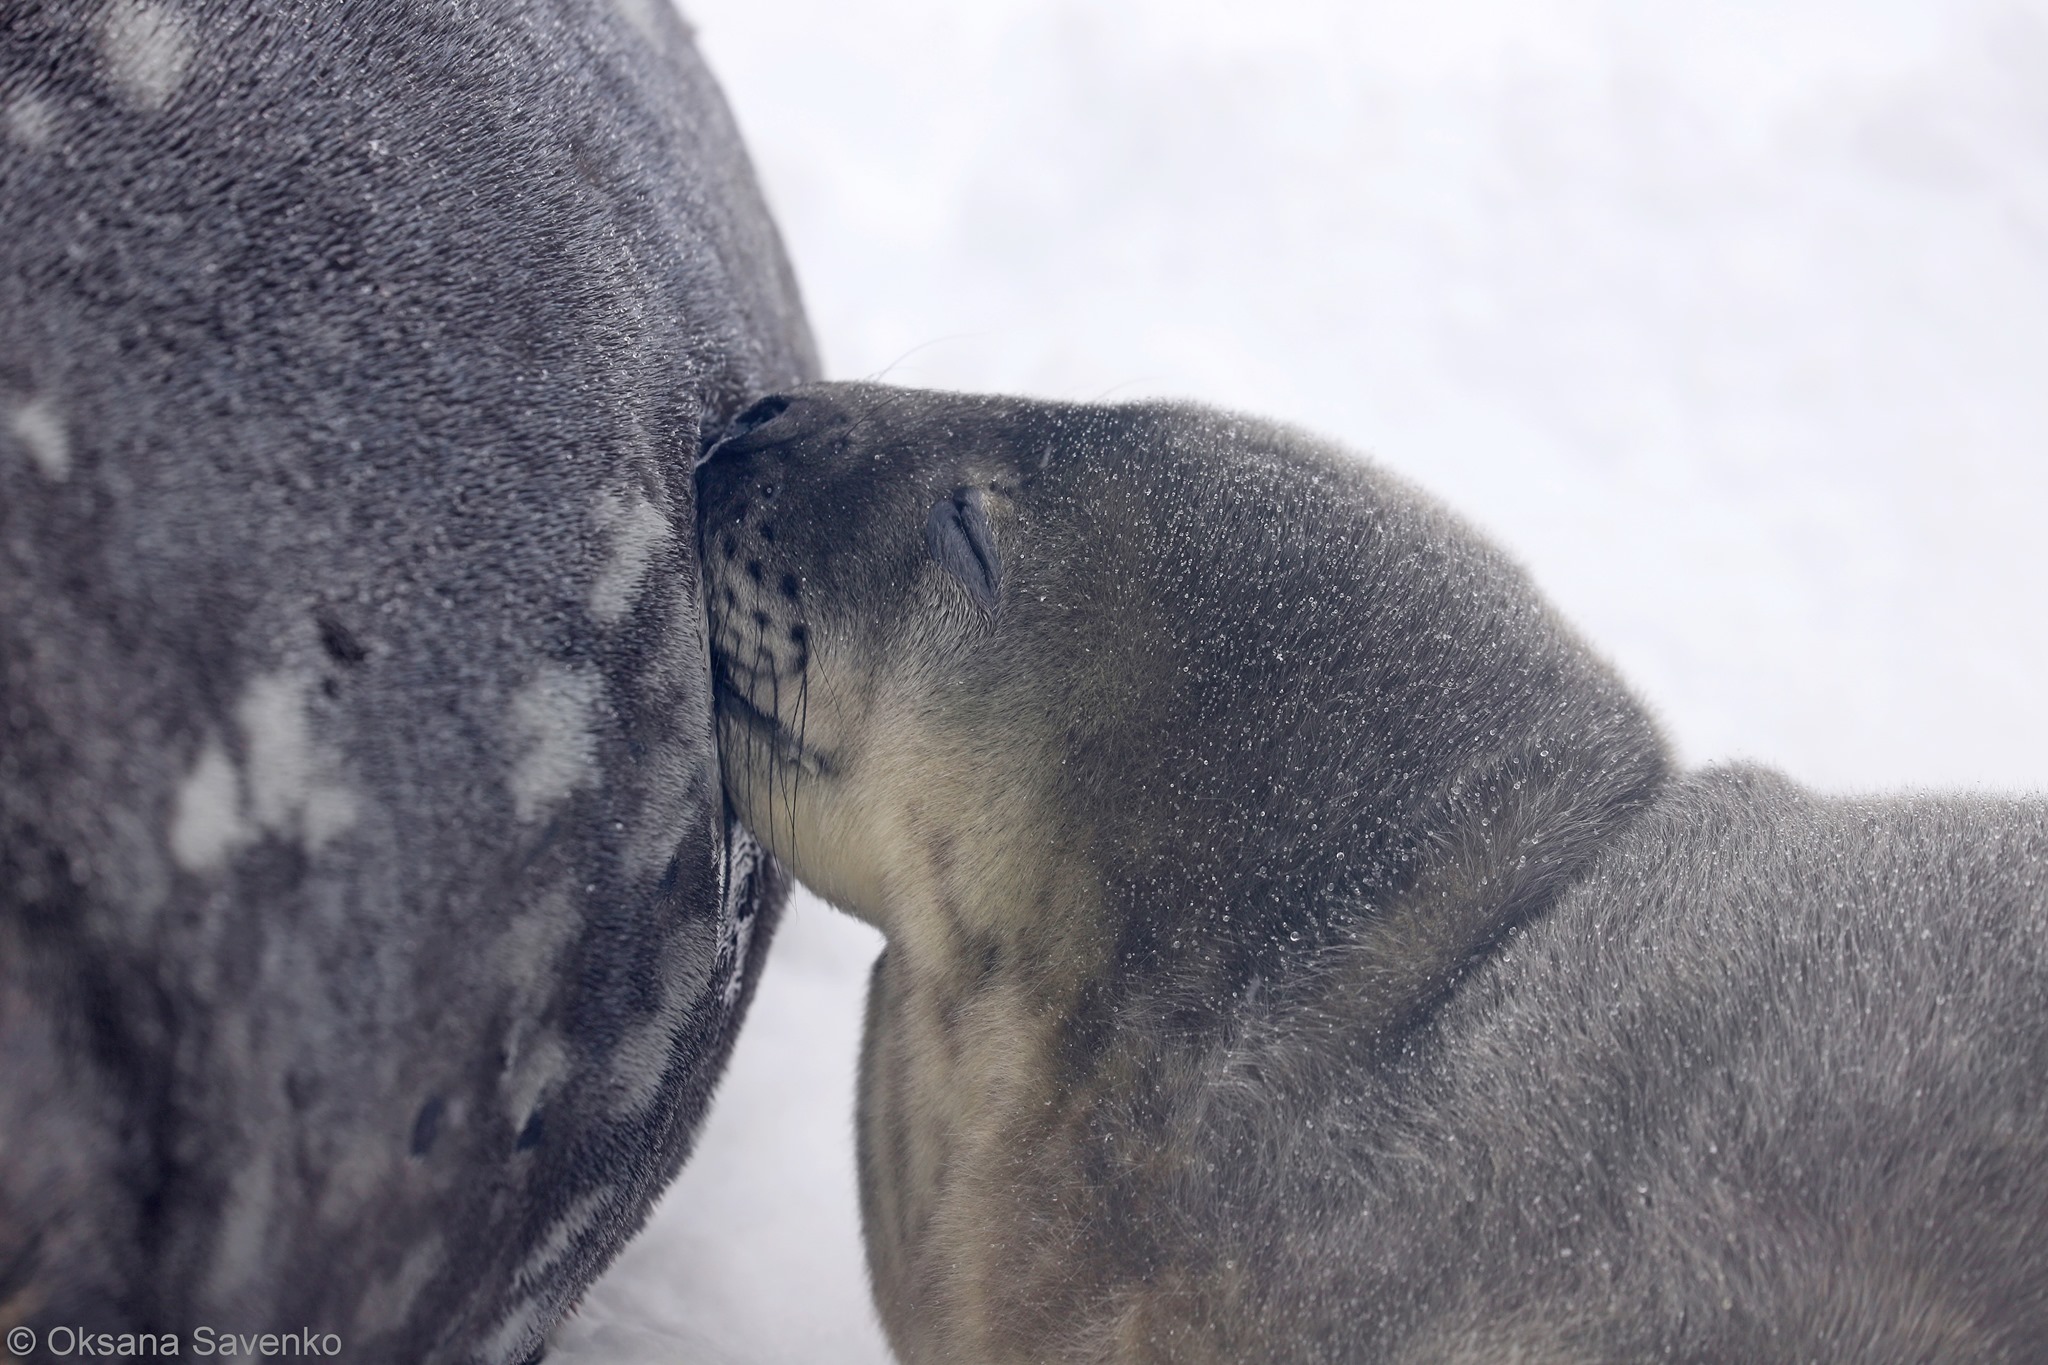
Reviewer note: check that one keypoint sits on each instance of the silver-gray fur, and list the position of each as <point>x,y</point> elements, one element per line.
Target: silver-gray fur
<point>1299,948</point>
<point>370,930</point>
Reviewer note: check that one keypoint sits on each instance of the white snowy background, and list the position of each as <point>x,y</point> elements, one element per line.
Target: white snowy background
<point>1730,319</point>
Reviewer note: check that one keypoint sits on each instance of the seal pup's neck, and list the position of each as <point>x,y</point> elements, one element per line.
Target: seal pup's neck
<point>964,873</point>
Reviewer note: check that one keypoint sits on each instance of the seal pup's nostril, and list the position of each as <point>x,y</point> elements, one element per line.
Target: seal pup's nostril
<point>759,415</point>
<point>754,418</point>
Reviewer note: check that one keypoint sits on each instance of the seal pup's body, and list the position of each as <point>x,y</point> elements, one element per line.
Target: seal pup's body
<point>1299,948</point>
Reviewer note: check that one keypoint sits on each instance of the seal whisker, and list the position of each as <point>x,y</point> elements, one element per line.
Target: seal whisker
<point>774,711</point>
<point>803,725</point>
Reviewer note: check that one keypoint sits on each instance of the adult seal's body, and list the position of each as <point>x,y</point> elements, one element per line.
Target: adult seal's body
<point>1300,949</point>
<point>370,931</point>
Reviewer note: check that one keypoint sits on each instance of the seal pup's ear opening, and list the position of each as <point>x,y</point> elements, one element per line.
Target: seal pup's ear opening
<point>958,534</point>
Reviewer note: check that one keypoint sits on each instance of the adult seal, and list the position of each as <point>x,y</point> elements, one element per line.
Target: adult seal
<point>1300,947</point>
<point>370,928</point>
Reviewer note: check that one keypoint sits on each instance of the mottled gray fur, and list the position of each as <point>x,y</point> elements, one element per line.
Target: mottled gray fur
<point>370,932</point>
<point>1301,950</point>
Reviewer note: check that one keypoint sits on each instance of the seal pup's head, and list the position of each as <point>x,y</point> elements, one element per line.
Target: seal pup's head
<point>986,664</point>
<point>875,619</point>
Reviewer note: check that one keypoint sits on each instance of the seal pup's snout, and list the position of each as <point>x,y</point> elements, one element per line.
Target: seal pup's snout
<point>760,640</point>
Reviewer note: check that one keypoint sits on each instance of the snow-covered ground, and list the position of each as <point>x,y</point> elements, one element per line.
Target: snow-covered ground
<point>1731,319</point>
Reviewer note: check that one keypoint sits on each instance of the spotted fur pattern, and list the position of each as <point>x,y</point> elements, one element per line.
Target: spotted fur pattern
<point>371,930</point>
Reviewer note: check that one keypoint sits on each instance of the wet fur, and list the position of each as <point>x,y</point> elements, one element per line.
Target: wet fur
<point>1300,948</point>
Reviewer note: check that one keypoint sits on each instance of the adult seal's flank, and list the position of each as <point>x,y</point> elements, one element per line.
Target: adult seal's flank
<point>372,927</point>
<point>1300,947</point>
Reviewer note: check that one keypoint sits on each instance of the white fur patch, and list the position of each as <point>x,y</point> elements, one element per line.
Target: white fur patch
<point>390,1298</point>
<point>243,1250</point>
<point>551,722</point>
<point>38,427</point>
<point>207,826</point>
<point>645,1051</point>
<point>30,122</point>
<point>513,1337</point>
<point>736,873</point>
<point>130,860</point>
<point>641,1059</point>
<point>637,529</point>
<point>568,1230</point>
<point>517,1332</point>
<point>526,951</point>
<point>352,1171</point>
<point>533,1066</point>
<point>147,48</point>
<point>294,789</point>
<point>640,14</point>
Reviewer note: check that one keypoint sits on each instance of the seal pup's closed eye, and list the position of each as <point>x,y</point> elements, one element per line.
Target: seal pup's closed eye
<point>1300,949</point>
<point>961,541</point>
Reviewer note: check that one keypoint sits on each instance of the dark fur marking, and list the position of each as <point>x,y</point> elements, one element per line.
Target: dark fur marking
<point>340,643</point>
<point>426,1128</point>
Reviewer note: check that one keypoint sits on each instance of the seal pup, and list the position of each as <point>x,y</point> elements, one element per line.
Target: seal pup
<point>1300,948</point>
